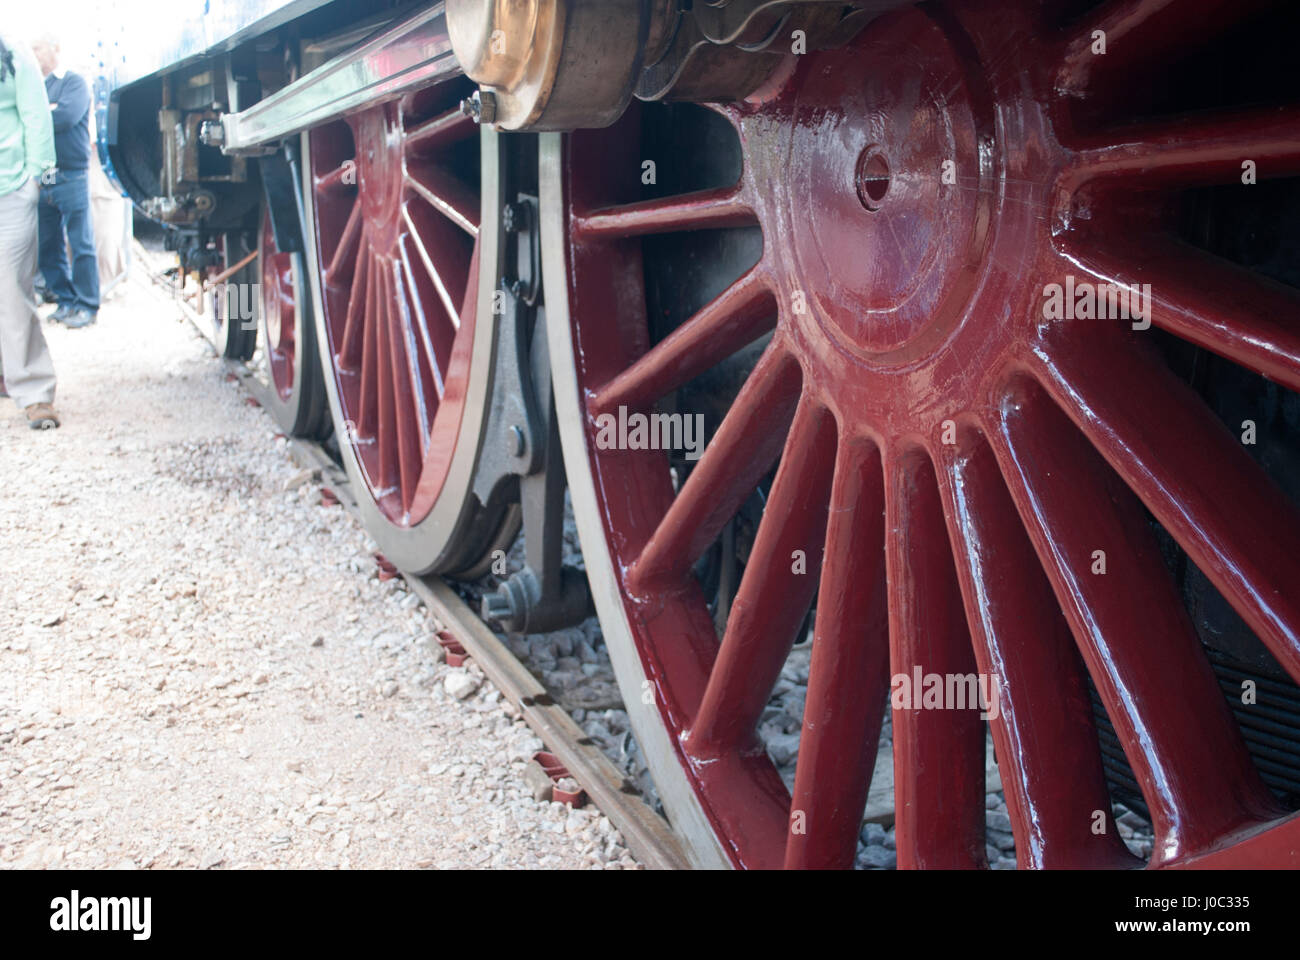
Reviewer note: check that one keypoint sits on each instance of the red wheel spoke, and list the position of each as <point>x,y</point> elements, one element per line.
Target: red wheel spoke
<point>336,178</point>
<point>442,131</point>
<point>708,209</point>
<point>742,450</point>
<point>1130,626</point>
<point>446,195</point>
<point>444,294</point>
<point>348,243</point>
<point>849,674</point>
<point>938,753</point>
<point>1211,303</point>
<point>777,586</point>
<point>425,342</point>
<point>389,475</point>
<point>738,316</point>
<point>1141,33</point>
<point>368,389</point>
<point>1198,150</point>
<point>412,417</point>
<point>1194,475</point>
<point>355,318</point>
<point>1046,742</point>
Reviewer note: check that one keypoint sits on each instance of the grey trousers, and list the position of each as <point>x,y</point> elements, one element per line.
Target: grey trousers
<point>24,357</point>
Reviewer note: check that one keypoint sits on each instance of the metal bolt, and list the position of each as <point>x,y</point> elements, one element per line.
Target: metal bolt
<point>497,607</point>
<point>515,442</point>
<point>514,217</point>
<point>212,133</point>
<point>487,107</point>
<point>482,107</point>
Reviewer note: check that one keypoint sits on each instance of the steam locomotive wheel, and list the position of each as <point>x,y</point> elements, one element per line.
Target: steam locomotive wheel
<point>297,397</point>
<point>234,330</point>
<point>394,196</point>
<point>969,472</point>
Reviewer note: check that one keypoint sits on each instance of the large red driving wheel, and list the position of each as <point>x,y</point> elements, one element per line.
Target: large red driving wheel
<point>970,473</point>
<point>297,398</point>
<point>394,195</point>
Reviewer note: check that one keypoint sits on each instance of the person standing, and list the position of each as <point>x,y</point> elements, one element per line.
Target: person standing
<point>26,152</point>
<point>65,197</point>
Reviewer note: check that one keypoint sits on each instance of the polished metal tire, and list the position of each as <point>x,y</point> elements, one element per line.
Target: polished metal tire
<point>296,398</point>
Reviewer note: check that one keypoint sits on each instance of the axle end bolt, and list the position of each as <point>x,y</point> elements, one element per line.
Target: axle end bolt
<point>482,107</point>
<point>497,607</point>
<point>212,133</point>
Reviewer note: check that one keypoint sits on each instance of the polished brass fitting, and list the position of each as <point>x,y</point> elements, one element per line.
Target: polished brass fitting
<point>511,47</point>
<point>551,64</point>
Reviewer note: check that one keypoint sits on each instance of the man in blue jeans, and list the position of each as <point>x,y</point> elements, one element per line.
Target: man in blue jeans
<point>65,195</point>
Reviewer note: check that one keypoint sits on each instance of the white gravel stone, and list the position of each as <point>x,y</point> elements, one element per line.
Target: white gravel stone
<point>461,684</point>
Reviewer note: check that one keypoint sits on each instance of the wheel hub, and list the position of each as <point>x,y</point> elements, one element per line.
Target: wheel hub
<point>889,156</point>
<point>884,148</point>
<point>381,172</point>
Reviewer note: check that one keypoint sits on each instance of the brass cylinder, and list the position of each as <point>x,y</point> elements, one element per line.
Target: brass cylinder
<point>551,64</point>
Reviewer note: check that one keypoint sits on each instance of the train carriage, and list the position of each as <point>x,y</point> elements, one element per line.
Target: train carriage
<point>987,310</point>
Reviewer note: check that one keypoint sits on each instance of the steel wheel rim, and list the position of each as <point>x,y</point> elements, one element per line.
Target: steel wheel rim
<point>279,313</point>
<point>947,491</point>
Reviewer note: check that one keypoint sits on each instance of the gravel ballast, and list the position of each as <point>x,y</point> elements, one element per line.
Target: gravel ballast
<point>200,667</point>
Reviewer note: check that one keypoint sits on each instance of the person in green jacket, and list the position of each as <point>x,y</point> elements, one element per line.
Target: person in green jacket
<point>26,152</point>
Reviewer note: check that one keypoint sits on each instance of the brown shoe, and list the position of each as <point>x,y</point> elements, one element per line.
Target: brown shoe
<point>41,416</point>
<point>3,392</point>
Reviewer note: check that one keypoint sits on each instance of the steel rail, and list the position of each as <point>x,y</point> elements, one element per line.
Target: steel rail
<point>393,61</point>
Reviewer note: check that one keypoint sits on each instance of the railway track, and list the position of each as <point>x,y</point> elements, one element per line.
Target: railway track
<point>648,836</point>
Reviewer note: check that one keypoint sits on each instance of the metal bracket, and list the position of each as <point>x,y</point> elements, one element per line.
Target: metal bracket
<point>280,178</point>
<point>522,444</point>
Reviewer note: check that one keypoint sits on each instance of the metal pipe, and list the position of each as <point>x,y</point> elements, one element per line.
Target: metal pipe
<point>227,274</point>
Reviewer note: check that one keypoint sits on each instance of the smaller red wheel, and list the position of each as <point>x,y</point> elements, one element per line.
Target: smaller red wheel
<point>234,327</point>
<point>297,397</point>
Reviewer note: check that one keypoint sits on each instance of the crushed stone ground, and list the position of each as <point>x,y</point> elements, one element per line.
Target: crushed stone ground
<point>198,664</point>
